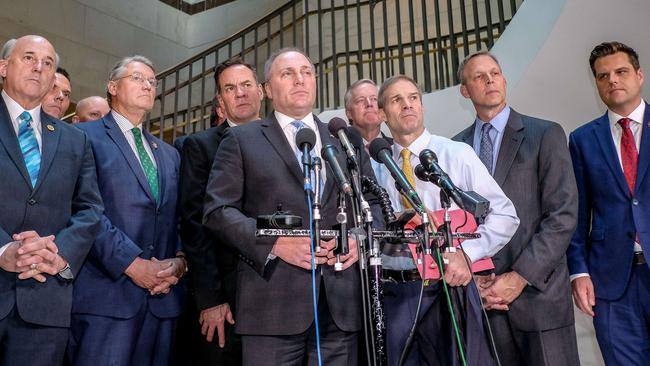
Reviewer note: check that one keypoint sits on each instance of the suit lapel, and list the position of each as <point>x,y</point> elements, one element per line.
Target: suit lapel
<point>160,164</point>
<point>467,135</point>
<point>513,135</point>
<point>272,131</point>
<point>644,151</point>
<point>50,134</point>
<point>9,140</point>
<point>603,134</point>
<point>114,132</point>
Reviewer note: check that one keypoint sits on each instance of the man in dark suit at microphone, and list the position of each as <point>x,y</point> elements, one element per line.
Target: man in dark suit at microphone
<point>259,168</point>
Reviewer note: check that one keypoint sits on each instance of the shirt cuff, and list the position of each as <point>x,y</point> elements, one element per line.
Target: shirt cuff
<point>578,275</point>
<point>4,247</point>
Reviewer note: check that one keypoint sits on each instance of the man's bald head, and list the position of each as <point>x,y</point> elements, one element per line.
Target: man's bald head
<point>90,109</point>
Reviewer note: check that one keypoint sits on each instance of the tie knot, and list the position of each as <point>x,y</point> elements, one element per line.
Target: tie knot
<point>25,117</point>
<point>486,129</point>
<point>297,125</point>
<point>136,132</point>
<point>624,122</point>
<point>405,154</point>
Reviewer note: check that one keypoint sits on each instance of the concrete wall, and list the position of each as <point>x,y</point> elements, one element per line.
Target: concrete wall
<point>91,35</point>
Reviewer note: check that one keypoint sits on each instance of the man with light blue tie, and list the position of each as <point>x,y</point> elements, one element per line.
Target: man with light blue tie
<point>125,302</point>
<point>51,208</point>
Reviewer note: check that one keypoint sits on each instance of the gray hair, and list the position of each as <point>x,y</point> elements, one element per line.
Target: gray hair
<point>269,62</point>
<point>461,67</point>
<point>9,46</point>
<point>347,98</point>
<point>392,80</point>
<point>120,69</point>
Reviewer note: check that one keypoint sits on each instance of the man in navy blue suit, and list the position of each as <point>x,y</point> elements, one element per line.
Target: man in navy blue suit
<point>51,208</point>
<point>125,301</point>
<point>610,154</point>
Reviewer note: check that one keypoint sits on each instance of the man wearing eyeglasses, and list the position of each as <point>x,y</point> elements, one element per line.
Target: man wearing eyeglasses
<point>51,208</point>
<point>57,101</point>
<point>125,304</point>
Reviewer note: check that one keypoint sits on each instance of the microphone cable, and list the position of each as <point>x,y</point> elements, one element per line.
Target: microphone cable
<point>308,189</point>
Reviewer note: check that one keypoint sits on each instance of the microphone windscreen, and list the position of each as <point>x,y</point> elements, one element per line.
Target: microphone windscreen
<point>305,136</point>
<point>335,125</point>
<point>376,146</point>
<point>427,157</point>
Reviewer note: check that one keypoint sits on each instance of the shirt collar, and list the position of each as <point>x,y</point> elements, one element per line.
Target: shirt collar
<point>16,109</point>
<point>416,146</point>
<point>285,120</point>
<point>231,123</point>
<point>124,124</point>
<point>636,115</point>
<point>499,121</point>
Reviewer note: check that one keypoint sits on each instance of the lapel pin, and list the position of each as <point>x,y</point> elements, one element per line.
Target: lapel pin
<point>50,127</point>
<point>648,123</point>
<point>154,145</point>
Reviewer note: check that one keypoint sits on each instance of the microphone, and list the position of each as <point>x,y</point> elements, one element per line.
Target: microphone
<point>337,127</point>
<point>380,151</point>
<point>329,152</point>
<point>437,176</point>
<point>305,140</point>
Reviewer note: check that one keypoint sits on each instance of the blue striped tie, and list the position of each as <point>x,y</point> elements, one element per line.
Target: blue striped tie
<point>29,146</point>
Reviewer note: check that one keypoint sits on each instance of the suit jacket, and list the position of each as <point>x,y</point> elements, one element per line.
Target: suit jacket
<point>609,215</point>
<point>534,170</point>
<point>255,169</point>
<point>133,226</point>
<point>64,203</point>
<point>212,264</point>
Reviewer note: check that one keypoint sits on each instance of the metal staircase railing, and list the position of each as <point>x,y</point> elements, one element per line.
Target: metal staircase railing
<point>347,40</point>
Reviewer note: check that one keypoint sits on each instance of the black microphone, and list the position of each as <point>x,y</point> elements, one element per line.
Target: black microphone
<point>380,151</point>
<point>337,127</point>
<point>305,140</point>
<point>329,152</point>
<point>437,176</point>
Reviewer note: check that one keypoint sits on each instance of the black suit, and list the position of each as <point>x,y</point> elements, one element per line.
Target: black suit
<point>534,170</point>
<point>255,170</point>
<point>212,264</point>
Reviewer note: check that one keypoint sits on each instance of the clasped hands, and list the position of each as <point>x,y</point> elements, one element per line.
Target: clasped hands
<point>157,276</point>
<point>31,256</point>
<point>500,291</point>
<point>297,251</point>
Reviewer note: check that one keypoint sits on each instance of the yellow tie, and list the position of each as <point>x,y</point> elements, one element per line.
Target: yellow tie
<point>408,173</point>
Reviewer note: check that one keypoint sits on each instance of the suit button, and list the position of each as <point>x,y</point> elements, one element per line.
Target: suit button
<point>150,247</point>
<point>31,202</point>
<point>635,201</point>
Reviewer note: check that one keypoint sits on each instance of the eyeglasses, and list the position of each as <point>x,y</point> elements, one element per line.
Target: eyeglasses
<point>138,77</point>
<point>46,63</point>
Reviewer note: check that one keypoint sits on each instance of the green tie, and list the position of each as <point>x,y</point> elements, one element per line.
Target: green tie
<point>150,170</point>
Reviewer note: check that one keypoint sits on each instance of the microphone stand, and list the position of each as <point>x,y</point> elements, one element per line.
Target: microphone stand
<point>316,217</point>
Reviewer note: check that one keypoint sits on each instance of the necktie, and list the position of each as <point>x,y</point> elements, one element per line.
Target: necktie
<point>487,148</point>
<point>29,146</point>
<point>629,154</point>
<point>408,173</point>
<point>297,126</point>
<point>149,169</point>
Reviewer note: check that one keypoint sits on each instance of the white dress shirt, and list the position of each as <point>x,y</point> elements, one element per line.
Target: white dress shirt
<point>465,169</point>
<point>126,127</point>
<point>289,133</point>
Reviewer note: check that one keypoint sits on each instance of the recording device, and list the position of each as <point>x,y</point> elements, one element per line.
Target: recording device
<point>380,150</point>
<point>338,127</point>
<point>329,152</point>
<point>305,141</point>
<point>279,220</point>
<point>471,201</point>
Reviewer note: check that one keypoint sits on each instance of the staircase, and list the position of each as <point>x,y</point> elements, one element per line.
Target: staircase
<point>347,40</point>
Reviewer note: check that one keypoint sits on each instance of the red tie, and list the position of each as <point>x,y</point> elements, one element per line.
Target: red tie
<point>629,154</point>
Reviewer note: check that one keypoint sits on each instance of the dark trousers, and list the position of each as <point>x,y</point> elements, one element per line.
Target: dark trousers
<point>192,349</point>
<point>23,343</point>
<point>338,348</point>
<point>144,340</point>
<point>437,336</point>
<point>553,347</point>
<point>623,326</point>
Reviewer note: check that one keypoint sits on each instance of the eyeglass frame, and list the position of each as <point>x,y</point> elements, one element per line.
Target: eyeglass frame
<point>137,76</point>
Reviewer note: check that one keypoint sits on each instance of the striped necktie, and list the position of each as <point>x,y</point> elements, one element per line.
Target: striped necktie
<point>29,146</point>
<point>149,169</point>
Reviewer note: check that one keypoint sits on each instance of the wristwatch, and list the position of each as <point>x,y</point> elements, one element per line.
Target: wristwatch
<point>66,273</point>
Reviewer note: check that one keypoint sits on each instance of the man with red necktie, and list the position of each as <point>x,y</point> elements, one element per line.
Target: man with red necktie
<point>609,272</point>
